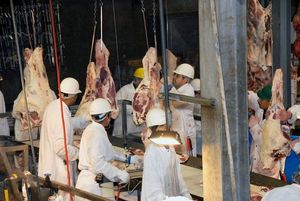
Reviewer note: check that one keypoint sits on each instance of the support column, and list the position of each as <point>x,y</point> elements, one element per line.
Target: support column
<point>281,28</point>
<point>228,49</point>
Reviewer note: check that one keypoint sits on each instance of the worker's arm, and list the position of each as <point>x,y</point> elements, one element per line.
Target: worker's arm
<point>179,104</point>
<point>255,128</point>
<point>58,139</point>
<point>295,113</point>
<point>79,122</point>
<point>100,165</point>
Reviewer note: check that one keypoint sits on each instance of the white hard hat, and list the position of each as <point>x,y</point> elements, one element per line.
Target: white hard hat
<point>69,86</point>
<point>155,117</point>
<point>186,70</point>
<point>196,84</point>
<point>100,106</point>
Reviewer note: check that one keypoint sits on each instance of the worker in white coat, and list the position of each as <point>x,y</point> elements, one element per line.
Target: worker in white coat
<point>52,155</point>
<point>182,112</point>
<point>291,115</point>
<point>162,176</point>
<point>127,93</point>
<point>4,128</point>
<point>197,110</point>
<point>285,193</point>
<point>96,154</point>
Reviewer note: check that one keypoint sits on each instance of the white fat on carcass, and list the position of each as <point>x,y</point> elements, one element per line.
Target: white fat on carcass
<point>99,82</point>
<point>38,92</point>
<point>275,142</point>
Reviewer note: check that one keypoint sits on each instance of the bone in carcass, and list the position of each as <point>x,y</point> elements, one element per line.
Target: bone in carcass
<point>146,95</point>
<point>37,88</point>
<point>99,82</point>
<point>259,41</point>
<point>275,134</point>
<point>172,63</point>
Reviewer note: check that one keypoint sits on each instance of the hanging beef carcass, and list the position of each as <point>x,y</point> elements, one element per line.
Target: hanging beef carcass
<point>99,82</point>
<point>38,92</point>
<point>275,134</point>
<point>259,41</point>
<point>147,93</point>
<point>296,25</point>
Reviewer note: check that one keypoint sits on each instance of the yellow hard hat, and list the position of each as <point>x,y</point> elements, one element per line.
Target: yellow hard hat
<point>139,73</point>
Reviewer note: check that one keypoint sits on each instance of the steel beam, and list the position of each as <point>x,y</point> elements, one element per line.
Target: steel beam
<point>229,44</point>
<point>281,23</point>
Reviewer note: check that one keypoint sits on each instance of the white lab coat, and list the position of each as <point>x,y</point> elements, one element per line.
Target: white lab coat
<point>255,162</point>
<point>4,128</point>
<point>253,104</point>
<point>95,155</point>
<point>126,93</point>
<point>183,118</point>
<point>52,152</point>
<point>162,175</point>
<point>284,193</point>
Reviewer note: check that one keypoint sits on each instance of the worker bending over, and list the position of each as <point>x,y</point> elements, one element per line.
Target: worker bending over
<point>52,155</point>
<point>162,176</point>
<point>96,153</point>
<point>182,112</point>
<point>127,93</point>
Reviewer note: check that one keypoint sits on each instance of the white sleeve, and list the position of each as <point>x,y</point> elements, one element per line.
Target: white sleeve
<point>152,184</point>
<point>256,132</point>
<point>119,156</point>
<point>58,138</point>
<point>121,93</point>
<point>79,122</point>
<point>295,110</point>
<point>102,166</point>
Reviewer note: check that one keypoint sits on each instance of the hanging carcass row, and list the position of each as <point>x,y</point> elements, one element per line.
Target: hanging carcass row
<point>38,92</point>
<point>147,93</point>
<point>99,82</point>
<point>259,41</point>
<point>275,134</point>
<point>296,25</point>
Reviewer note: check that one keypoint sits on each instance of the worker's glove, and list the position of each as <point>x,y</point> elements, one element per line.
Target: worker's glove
<point>124,177</point>
<point>253,120</point>
<point>296,146</point>
<point>138,161</point>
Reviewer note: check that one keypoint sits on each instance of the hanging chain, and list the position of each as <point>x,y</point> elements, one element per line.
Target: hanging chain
<point>101,25</point>
<point>154,25</point>
<point>154,16</point>
<point>142,6</point>
<point>145,23</point>
<point>95,11</point>
<point>94,31</point>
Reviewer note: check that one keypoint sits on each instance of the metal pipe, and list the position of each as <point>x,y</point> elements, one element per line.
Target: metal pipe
<point>124,121</point>
<point>22,82</point>
<point>197,100</point>
<point>164,61</point>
